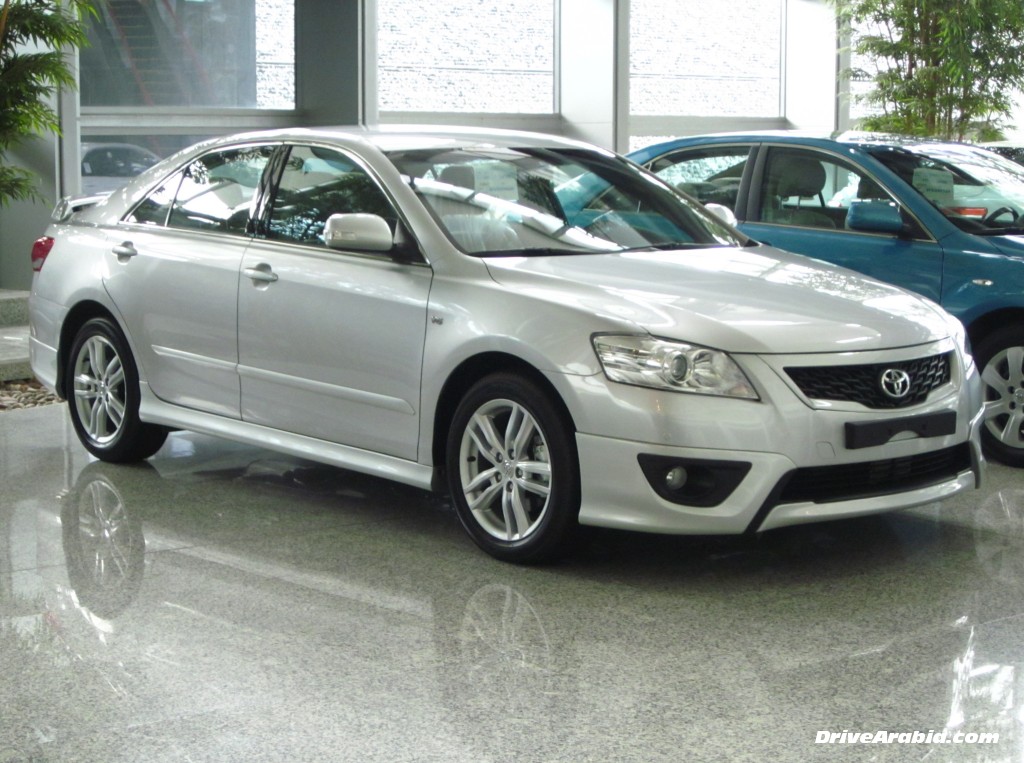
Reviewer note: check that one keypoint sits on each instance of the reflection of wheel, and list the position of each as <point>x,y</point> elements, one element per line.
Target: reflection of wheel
<point>1000,356</point>
<point>103,545</point>
<point>512,470</point>
<point>102,387</point>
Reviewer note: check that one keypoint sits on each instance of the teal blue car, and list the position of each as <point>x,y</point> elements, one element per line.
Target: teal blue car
<point>942,219</point>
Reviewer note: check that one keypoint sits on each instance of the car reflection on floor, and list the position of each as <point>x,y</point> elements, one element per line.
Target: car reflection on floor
<point>220,585</point>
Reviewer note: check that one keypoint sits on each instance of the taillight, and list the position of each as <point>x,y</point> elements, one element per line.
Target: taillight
<point>40,249</point>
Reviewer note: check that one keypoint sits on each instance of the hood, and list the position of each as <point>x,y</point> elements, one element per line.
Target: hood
<point>752,300</point>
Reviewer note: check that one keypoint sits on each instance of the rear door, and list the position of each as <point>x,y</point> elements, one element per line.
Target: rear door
<point>172,271</point>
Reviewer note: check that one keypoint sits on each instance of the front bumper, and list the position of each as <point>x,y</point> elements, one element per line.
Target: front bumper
<point>624,498</point>
<point>797,459</point>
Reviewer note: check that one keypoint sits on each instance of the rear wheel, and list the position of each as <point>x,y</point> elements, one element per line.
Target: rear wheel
<point>513,471</point>
<point>102,388</point>
<point>1000,356</point>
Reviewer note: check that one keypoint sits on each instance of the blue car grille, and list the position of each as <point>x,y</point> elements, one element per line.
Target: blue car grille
<point>862,383</point>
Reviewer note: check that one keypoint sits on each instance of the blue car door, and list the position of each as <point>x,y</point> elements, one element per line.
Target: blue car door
<point>799,201</point>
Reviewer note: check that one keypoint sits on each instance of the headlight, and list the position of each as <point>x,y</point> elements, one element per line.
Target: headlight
<point>649,362</point>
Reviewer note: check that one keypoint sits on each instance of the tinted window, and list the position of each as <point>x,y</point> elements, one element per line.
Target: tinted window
<point>815,190</point>
<point>317,183</point>
<point>212,193</point>
<point>710,175</point>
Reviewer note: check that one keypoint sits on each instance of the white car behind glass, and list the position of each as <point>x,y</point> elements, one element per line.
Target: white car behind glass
<point>533,324</point>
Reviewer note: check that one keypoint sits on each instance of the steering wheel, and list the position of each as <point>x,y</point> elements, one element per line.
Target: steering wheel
<point>991,218</point>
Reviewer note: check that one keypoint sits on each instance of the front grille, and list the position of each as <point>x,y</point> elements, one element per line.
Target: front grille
<point>862,383</point>
<point>826,484</point>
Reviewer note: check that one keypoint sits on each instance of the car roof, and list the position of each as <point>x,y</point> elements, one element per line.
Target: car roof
<point>802,137</point>
<point>407,137</point>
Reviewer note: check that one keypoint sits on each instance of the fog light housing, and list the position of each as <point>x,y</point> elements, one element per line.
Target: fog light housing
<point>692,481</point>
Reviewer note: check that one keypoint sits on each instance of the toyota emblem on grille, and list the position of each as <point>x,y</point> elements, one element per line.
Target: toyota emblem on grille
<point>895,383</point>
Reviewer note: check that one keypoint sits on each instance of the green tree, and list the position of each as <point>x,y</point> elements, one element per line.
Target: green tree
<point>34,37</point>
<point>944,68</point>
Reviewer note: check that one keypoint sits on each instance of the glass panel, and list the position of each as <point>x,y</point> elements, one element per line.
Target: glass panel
<point>538,202</point>
<point>225,54</point>
<point>710,176</point>
<point>465,56</point>
<point>695,58</point>
<point>317,183</point>
<point>216,191</point>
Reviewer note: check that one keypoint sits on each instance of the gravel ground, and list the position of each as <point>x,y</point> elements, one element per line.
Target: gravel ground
<point>24,393</point>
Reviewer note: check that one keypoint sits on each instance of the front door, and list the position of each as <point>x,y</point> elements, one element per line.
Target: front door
<point>330,342</point>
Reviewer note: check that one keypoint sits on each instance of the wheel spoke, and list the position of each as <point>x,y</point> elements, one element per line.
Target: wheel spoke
<point>483,501</point>
<point>521,428</point>
<point>991,376</point>
<point>481,479</point>
<point>1015,361</point>
<point>490,445</point>
<point>1011,430</point>
<point>536,477</point>
<point>517,521</point>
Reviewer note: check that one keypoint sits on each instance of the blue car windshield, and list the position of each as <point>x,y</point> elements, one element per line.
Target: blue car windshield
<point>978,190</point>
<point>493,201</point>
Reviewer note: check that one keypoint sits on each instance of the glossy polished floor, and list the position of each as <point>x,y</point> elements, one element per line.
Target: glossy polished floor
<point>222,603</point>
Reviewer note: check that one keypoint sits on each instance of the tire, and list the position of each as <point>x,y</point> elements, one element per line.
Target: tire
<point>1000,356</point>
<point>102,388</point>
<point>513,471</point>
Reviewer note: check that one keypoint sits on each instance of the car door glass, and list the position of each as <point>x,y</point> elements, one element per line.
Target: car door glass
<point>317,183</point>
<point>814,190</point>
<point>712,176</point>
<point>217,190</point>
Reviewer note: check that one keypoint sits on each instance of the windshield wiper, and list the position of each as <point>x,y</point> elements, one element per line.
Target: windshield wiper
<point>673,245</point>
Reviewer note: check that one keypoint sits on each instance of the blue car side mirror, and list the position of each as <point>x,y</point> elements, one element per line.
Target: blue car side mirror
<point>874,217</point>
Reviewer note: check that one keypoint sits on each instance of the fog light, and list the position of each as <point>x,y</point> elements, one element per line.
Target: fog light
<point>692,481</point>
<point>675,478</point>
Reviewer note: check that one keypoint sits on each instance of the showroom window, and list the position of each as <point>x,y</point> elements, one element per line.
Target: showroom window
<point>225,54</point>
<point>466,56</point>
<point>695,58</point>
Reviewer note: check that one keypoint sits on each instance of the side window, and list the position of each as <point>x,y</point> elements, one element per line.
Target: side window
<point>217,190</point>
<point>709,175</point>
<point>154,209</point>
<point>213,193</point>
<point>813,190</point>
<point>317,183</point>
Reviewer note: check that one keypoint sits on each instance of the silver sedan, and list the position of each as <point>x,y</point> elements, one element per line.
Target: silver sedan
<point>533,324</point>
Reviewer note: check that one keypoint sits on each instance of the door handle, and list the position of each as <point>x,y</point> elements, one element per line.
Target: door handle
<point>260,274</point>
<point>125,249</point>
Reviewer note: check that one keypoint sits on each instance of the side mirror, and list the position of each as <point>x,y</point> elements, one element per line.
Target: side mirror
<point>874,217</point>
<point>722,212</point>
<point>361,232</point>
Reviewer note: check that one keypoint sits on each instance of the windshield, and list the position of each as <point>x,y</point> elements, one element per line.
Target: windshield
<point>528,201</point>
<point>978,190</point>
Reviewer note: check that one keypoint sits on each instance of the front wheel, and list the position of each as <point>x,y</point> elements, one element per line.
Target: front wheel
<point>1000,356</point>
<point>513,471</point>
<point>102,389</point>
